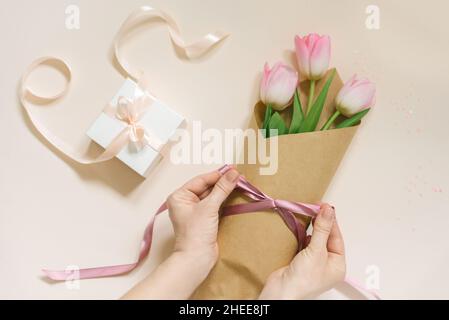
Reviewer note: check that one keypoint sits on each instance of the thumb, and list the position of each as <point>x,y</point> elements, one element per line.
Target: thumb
<point>322,228</point>
<point>223,187</point>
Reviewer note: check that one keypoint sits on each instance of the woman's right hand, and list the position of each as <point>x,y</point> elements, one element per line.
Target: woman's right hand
<point>314,270</point>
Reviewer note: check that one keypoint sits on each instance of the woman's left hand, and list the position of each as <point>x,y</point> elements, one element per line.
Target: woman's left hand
<point>194,210</point>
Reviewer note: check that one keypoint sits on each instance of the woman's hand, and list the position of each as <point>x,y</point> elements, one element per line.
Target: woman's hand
<point>194,209</point>
<point>314,270</point>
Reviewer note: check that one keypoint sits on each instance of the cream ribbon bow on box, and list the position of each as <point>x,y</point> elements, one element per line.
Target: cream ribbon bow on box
<point>129,111</point>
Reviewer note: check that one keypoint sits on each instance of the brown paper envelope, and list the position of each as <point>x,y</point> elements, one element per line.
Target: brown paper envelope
<point>253,245</point>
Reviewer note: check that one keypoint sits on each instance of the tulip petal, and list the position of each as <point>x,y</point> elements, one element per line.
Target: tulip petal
<point>351,84</point>
<point>282,86</point>
<point>264,82</point>
<point>319,57</point>
<point>357,99</point>
<point>278,85</point>
<point>343,91</point>
<point>302,56</point>
<point>311,40</point>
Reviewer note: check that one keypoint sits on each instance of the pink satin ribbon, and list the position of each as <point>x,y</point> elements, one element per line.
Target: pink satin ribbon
<point>260,202</point>
<point>133,133</point>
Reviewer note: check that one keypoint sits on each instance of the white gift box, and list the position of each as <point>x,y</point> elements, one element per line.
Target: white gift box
<point>159,119</point>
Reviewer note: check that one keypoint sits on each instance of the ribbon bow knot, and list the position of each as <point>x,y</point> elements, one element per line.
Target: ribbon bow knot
<point>131,111</point>
<point>261,201</point>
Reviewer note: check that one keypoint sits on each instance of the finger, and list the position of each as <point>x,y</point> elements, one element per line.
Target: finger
<point>336,244</point>
<point>322,228</point>
<point>205,194</point>
<point>202,183</point>
<point>224,187</point>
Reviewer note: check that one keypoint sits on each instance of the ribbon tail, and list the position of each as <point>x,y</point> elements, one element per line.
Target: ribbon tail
<point>111,151</point>
<point>295,226</point>
<point>89,273</point>
<point>114,148</point>
<point>24,93</point>
<point>146,13</point>
<point>109,271</point>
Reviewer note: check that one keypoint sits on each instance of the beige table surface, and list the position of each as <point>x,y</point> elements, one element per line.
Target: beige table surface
<point>391,191</point>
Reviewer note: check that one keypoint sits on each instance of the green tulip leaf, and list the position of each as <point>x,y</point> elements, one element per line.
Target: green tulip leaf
<point>298,114</point>
<point>355,119</point>
<point>313,116</point>
<point>276,122</point>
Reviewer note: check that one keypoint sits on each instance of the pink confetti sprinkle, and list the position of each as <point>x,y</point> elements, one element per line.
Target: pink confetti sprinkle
<point>437,189</point>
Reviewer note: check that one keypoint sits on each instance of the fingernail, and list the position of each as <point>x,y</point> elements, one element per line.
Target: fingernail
<point>232,175</point>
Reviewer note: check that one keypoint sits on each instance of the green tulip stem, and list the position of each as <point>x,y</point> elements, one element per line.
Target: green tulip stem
<point>331,120</point>
<point>266,121</point>
<point>311,94</point>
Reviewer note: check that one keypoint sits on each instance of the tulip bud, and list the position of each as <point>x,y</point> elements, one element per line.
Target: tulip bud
<point>355,96</point>
<point>313,53</point>
<point>352,101</point>
<point>278,85</point>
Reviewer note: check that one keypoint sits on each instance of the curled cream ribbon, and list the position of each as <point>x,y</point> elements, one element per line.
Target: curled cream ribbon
<point>260,201</point>
<point>125,111</point>
<point>145,13</point>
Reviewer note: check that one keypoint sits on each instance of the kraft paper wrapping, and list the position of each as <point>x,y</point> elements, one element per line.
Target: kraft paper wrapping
<point>253,245</point>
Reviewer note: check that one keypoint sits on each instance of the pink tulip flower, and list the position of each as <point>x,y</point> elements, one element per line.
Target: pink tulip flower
<point>313,53</point>
<point>356,95</point>
<point>278,85</point>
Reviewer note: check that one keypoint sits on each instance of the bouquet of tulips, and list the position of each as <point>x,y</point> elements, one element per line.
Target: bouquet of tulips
<point>280,86</point>
<point>253,245</point>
